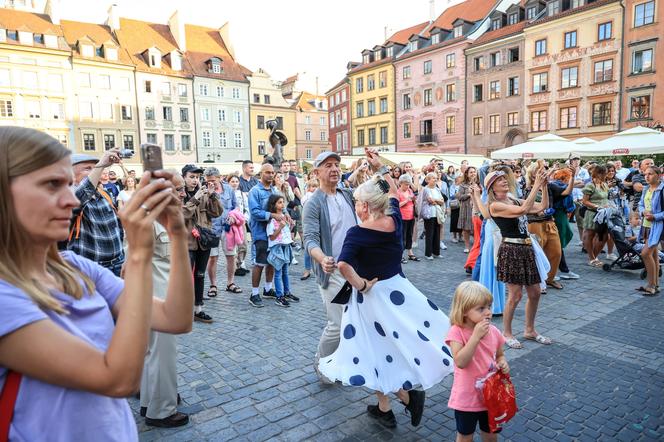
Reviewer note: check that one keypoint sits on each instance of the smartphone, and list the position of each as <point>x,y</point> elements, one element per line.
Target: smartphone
<point>151,157</point>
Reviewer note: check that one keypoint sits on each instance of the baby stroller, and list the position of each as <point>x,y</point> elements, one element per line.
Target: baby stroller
<point>628,257</point>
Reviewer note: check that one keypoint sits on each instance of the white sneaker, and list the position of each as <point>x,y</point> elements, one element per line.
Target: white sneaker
<point>443,246</point>
<point>430,258</point>
<point>437,256</point>
<point>454,240</point>
<point>556,278</point>
<point>295,262</point>
<point>568,275</point>
<point>612,256</point>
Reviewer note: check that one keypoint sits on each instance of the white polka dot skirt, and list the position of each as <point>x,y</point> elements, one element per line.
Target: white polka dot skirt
<point>392,337</point>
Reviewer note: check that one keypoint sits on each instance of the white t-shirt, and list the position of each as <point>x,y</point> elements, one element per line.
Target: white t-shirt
<point>582,175</point>
<point>622,173</point>
<point>284,236</point>
<point>342,218</point>
<point>124,196</point>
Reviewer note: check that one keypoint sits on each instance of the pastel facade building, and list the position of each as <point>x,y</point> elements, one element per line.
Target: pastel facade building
<point>311,126</point>
<point>104,91</point>
<point>221,93</point>
<point>431,80</point>
<point>164,86</point>
<point>338,101</point>
<point>643,54</point>
<point>35,74</point>
<point>495,97</point>
<point>268,103</point>
<point>573,56</point>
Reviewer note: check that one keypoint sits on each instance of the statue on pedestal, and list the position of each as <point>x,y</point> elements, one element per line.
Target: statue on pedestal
<point>277,140</point>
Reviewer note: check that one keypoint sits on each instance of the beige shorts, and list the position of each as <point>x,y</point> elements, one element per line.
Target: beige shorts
<point>222,246</point>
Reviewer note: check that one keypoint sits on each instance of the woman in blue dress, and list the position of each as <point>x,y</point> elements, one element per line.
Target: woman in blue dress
<point>391,334</point>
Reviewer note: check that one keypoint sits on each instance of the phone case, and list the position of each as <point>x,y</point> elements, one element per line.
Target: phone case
<point>151,157</point>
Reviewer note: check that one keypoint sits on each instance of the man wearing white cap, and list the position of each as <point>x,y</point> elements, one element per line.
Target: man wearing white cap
<point>328,215</point>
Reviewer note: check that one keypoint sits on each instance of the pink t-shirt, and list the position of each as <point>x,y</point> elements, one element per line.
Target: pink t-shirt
<point>464,395</point>
<point>407,209</point>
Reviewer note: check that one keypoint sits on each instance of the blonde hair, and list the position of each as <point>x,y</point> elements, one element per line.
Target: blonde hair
<point>371,193</point>
<point>23,151</point>
<point>467,295</point>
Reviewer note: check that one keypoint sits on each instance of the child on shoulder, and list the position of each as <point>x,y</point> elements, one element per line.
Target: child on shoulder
<point>280,253</point>
<point>477,347</point>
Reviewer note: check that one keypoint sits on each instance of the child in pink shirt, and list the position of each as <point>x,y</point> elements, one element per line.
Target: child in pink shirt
<point>477,347</point>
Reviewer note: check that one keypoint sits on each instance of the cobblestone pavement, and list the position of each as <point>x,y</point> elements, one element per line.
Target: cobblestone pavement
<point>249,375</point>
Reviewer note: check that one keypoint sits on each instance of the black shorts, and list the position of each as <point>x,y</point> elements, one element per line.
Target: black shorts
<point>260,246</point>
<point>466,421</point>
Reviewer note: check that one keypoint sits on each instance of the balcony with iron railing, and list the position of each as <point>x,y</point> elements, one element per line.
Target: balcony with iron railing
<point>427,139</point>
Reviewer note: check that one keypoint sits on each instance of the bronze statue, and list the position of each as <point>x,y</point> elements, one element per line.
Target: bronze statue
<point>277,140</point>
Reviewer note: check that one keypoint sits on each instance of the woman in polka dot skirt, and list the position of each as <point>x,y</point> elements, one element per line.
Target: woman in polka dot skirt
<point>391,339</point>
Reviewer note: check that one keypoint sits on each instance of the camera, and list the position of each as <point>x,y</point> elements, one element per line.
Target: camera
<point>126,153</point>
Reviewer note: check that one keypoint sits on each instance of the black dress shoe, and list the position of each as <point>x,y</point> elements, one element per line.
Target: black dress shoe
<point>385,418</point>
<point>175,420</point>
<point>144,410</point>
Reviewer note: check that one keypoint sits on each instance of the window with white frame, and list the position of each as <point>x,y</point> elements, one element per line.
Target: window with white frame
<point>57,111</point>
<point>166,88</point>
<point>149,113</point>
<point>494,90</point>
<point>321,121</point>
<point>85,109</point>
<point>450,61</point>
<point>221,114</point>
<point>450,124</point>
<point>128,142</point>
<point>220,91</point>
<point>540,82</point>
<point>331,120</point>
<point>428,67</point>
<point>308,153</point>
<point>238,116</point>
<point>223,140</point>
<point>344,116</point>
<point>203,89</point>
<point>569,77</point>
<point>644,14</point>
<point>512,86</point>
<point>147,86</point>
<point>478,125</point>
<point>169,142</point>
<point>184,115</point>
<point>435,39</point>
<point>151,138</point>
<point>207,139</point>
<point>458,31</point>
<point>106,111</point>
<point>383,105</point>
<point>126,112</point>
<point>182,90</point>
<point>167,113</point>
<point>540,47</point>
<point>428,97</point>
<point>6,108</point>
<point>323,135</point>
<point>450,92</point>
<point>237,138</point>
<point>307,135</point>
<point>407,130</point>
<point>236,92</point>
<point>568,117</point>
<point>538,121</point>
<point>104,82</point>
<point>642,61</point>
<point>603,71</point>
<point>601,114</point>
<point>89,142</point>
<point>205,114</point>
<point>185,142</point>
<point>405,73</point>
<point>494,124</point>
<point>512,118</point>
<point>261,148</point>
<point>405,102</point>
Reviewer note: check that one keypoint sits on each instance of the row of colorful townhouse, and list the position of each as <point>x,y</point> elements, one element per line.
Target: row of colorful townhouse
<point>488,74</point>
<point>126,82</point>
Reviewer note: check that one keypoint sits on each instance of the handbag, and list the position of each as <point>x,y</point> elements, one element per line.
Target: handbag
<point>454,204</point>
<point>7,403</point>
<point>207,239</point>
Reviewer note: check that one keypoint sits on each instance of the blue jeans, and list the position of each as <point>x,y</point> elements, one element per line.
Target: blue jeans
<point>307,260</point>
<point>281,281</point>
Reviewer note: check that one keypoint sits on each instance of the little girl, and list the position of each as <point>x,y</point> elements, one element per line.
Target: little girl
<point>477,347</point>
<point>312,186</point>
<point>280,253</point>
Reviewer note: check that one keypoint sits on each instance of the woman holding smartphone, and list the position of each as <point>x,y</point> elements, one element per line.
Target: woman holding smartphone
<point>200,205</point>
<point>73,335</point>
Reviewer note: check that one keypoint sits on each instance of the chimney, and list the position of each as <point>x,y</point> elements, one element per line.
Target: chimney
<point>176,25</point>
<point>52,9</point>
<point>225,34</point>
<point>113,20</point>
<point>432,10</point>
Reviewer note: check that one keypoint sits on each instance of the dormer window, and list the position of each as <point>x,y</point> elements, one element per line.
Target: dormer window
<point>39,39</point>
<point>495,24</point>
<point>458,31</point>
<point>390,52</point>
<point>176,61</point>
<point>99,52</point>
<point>154,58</point>
<point>377,55</point>
<point>51,41</point>
<point>111,53</point>
<point>12,35</point>
<point>214,66</point>
<point>412,46</point>
<point>25,37</point>
<point>513,19</point>
<point>553,7</point>
<point>435,39</point>
<point>366,59</point>
<point>531,12</point>
<point>87,51</point>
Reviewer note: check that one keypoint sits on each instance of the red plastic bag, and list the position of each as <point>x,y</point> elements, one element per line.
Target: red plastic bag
<point>500,399</point>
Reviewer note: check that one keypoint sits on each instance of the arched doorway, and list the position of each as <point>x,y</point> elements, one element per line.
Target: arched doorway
<point>515,136</point>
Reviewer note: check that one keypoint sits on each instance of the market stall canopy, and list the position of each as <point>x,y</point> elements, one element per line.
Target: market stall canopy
<point>544,146</point>
<point>635,141</point>
<point>585,141</point>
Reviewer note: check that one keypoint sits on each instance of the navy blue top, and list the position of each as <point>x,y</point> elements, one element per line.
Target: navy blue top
<point>372,253</point>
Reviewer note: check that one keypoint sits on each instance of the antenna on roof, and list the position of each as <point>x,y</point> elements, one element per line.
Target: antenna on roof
<point>432,10</point>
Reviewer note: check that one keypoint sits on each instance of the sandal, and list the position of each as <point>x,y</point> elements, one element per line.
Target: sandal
<point>413,258</point>
<point>596,263</point>
<point>554,284</point>
<point>649,291</point>
<point>513,343</point>
<point>539,339</point>
<point>233,288</point>
<point>212,291</point>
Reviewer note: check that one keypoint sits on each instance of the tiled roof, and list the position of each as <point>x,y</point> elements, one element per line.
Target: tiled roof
<point>469,10</point>
<point>138,36</point>
<point>303,102</point>
<point>204,43</point>
<point>585,7</point>
<point>341,83</point>
<point>98,34</point>
<point>430,48</point>
<point>291,79</point>
<point>35,23</point>
<point>500,33</point>
<point>373,64</point>
<point>29,22</point>
<point>403,35</point>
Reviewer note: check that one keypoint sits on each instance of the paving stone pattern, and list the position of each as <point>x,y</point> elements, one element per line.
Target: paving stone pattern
<point>249,375</point>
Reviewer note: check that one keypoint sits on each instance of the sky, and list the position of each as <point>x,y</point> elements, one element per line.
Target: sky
<point>315,38</point>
